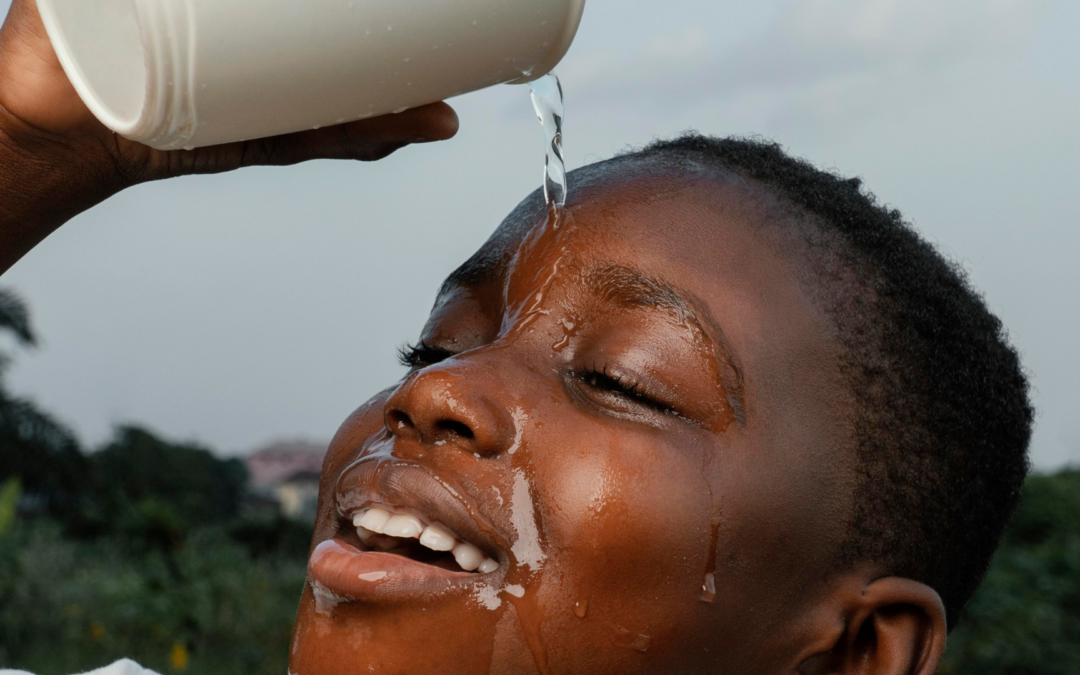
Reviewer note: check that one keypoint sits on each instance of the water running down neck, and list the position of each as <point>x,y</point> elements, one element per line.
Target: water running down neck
<point>547,99</point>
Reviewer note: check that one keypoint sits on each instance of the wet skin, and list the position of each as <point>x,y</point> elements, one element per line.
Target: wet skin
<point>638,398</point>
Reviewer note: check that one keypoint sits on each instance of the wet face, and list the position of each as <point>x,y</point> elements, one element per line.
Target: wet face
<point>619,452</point>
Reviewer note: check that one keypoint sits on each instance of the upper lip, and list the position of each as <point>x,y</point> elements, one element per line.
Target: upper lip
<point>410,488</point>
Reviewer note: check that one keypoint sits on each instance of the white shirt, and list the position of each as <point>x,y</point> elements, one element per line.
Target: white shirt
<point>121,667</point>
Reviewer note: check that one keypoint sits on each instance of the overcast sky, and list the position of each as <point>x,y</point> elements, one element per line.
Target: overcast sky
<point>266,304</point>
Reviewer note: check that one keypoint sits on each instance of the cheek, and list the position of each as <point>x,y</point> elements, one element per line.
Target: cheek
<point>627,528</point>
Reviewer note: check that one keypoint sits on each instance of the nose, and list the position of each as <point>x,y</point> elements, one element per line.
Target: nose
<point>454,405</point>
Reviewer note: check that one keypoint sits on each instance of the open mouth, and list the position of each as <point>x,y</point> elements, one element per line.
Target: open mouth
<point>402,534</point>
<point>382,553</point>
<point>382,529</point>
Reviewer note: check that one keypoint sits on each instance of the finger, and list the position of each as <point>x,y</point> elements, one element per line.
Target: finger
<point>365,140</point>
<point>435,122</point>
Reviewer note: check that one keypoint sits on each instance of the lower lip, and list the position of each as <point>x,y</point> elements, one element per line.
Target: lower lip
<point>348,572</point>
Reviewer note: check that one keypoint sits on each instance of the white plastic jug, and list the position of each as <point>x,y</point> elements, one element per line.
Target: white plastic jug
<point>188,73</point>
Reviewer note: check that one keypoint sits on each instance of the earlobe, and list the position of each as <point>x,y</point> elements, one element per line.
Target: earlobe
<point>894,626</point>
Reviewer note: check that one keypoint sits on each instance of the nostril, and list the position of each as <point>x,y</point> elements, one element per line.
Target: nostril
<point>398,420</point>
<point>455,427</point>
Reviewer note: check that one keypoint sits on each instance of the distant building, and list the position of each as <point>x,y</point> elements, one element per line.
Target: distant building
<point>287,473</point>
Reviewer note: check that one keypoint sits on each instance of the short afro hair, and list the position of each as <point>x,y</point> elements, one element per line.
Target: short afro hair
<point>943,417</point>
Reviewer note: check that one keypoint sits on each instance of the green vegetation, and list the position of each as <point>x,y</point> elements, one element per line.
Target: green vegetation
<point>207,605</point>
<point>144,549</point>
<point>33,447</point>
<point>1026,617</point>
<point>157,561</point>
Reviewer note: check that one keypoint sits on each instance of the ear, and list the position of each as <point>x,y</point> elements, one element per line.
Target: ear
<point>891,626</point>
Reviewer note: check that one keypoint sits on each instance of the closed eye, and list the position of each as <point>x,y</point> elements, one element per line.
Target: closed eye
<point>422,355</point>
<point>602,380</point>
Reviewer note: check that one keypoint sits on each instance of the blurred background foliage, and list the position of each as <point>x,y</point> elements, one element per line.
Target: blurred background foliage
<point>155,551</point>
<point>1026,616</point>
<point>142,548</point>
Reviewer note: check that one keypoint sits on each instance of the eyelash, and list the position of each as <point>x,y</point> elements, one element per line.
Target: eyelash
<point>421,355</point>
<point>600,378</point>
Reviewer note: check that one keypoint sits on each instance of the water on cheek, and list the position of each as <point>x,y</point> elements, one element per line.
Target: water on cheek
<point>527,554</point>
<point>527,551</point>
<point>712,485</point>
<point>520,418</point>
<point>723,417</point>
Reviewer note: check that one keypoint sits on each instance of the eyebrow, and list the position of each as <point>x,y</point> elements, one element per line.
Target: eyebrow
<point>630,287</point>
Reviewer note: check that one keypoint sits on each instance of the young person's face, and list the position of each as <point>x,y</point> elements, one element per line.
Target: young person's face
<point>642,422</point>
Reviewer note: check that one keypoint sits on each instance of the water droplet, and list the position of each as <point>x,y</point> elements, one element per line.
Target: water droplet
<point>367,32</point>
<point>708,588</point>
<point>389,28</point>
<point>581,608</point>
<point>340,120</point>
<point>641,643</point>
<point>189,148</point>
<point>315,127</point>
<point>400,110</point>
<point>474,22</point>
<point>407,59</point>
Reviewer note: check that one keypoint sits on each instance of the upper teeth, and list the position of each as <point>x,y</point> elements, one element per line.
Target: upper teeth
<point>408,527</point>
<point>437,538</point>
<point>433,536</point>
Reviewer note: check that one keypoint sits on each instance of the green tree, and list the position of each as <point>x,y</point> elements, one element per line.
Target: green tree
<point>159,490</point>
<point>34,447</point>
<point>1025,619</point>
